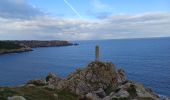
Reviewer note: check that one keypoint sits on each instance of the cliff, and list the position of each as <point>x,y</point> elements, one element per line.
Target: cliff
<point>23,46</point>
<point>97,81</point>
<point>36,43</point>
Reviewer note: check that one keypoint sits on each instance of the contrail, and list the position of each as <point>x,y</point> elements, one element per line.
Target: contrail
<point>74,10</point>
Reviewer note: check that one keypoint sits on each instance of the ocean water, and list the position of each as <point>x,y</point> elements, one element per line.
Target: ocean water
<point>146,61</point>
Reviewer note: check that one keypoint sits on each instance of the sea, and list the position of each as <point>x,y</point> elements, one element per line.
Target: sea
<point>146,61</point>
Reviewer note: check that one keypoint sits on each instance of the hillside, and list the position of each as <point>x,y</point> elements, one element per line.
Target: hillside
<point>11,47</point>
<point>27,45</point>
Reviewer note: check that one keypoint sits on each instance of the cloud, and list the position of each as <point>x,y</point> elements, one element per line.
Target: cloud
<point>99,15</point>
<point>98,5</point>
<point>99,9</point>
<point>112,27</point>
<point>19,20</point>
<point>18,9</point>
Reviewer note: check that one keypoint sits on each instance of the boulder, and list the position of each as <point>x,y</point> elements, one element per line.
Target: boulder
<point>92,96</point>
<point>121,76</point>
<point>16,98</point>
<point>52,78</point>
<point>55,95</point>
<point>134,91</point>
<point>100,92</point>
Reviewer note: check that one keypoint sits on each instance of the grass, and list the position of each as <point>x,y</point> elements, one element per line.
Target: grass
<point>132,91</point>
<point>35,93</point>
<point>122,98</point>
<point>5,92</point>
<point>108,90</point>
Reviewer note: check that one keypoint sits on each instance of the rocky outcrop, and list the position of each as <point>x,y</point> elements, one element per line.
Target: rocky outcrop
<point>16,98</point>
<point>98,81</point>
<point>96,75</point>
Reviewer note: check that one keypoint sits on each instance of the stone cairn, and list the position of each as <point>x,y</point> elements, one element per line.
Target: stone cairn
<point>97,53</point>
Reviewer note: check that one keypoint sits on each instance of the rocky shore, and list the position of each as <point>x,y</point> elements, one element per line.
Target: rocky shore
<point>97,81</point>
<point>23,49</point>
<point>24,46</point>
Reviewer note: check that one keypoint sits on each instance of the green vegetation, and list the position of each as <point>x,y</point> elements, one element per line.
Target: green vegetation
<point>132,91</point>
<point>9,45</point>
<point>66,95</point>
<point>121,98</point>
<point>108,90</point>
<point>5,92</point>
<point>35,93</point>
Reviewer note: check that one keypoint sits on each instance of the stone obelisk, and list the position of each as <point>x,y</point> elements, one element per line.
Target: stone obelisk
<point>97,53</point>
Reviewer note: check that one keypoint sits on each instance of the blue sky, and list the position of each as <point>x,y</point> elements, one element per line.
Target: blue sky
<point>86,7</point>
<point>83,19</point>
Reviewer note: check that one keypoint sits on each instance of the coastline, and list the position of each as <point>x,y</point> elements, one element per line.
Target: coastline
<point>4,51</point>
<point>26,45</point>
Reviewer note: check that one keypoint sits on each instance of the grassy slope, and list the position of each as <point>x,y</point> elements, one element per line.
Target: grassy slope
<point>9,45</point>
<point>35,93</point>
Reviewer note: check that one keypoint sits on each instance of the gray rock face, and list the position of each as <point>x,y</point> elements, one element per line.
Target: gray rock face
<point>100,92</point>
<point>95,76</point>
<point>121,76</point>
<point>16,98</point>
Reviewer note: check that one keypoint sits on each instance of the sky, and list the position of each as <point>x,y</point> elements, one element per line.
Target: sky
<point>83,19</point>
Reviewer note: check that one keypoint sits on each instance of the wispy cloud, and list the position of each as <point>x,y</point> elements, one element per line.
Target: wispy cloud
<point>113,27</point>
<point>18,9</point>
<point>28,22</point>
<point>98,5</point>
<point>100,9</point>
<point>73,9</point>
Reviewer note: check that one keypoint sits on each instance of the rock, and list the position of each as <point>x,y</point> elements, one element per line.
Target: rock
<point>107,98</point>
<point>55,95</point>
<point>95,76</point>
<point>51,76</point>
<point>98,81</point>
<point>145,93</point>
<point>50,86</point>
<point>122,93</point>
<point>166,98</point>
<point>30,85</point>
<point>100,92</point>
<point>121,76</point>
<point>134,91</point>
<point>40,82</point>
<point>81,88</point>
<point>16,98</point>
<point>89,76</point>
<point>52,79</point>
<point>92,96</point>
